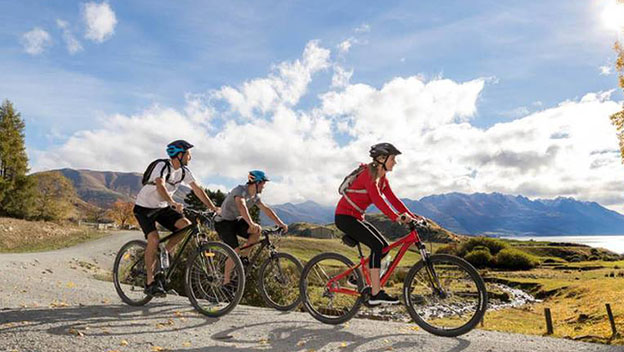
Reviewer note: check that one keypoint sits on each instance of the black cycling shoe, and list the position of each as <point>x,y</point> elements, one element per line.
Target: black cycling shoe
<point>382,298</point>
<point>155,289</point>
<point>352,280</point>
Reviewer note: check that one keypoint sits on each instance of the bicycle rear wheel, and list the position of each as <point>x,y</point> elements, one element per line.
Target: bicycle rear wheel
<point>205,272</point>
<point>324,305</point>
<point>129,274</point>
<point>455,309</point>
<point>278,280</point>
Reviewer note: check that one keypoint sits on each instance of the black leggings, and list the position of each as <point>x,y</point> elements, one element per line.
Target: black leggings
<point>365,232</point>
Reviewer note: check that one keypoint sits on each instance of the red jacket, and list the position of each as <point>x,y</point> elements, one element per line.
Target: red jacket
<point>372,196</point>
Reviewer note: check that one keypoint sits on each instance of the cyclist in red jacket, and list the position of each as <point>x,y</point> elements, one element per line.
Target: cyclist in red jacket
<point>365,190</point>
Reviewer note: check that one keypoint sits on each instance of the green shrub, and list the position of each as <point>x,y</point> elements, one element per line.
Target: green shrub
<point>450,248</point>
<point>480,258</point>
<point>493,244</point>
<point>510,258</point>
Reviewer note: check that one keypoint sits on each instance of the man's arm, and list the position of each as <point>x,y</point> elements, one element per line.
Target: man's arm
<point>201,194</point>
<point>162,191</point>
<point>271,214</point>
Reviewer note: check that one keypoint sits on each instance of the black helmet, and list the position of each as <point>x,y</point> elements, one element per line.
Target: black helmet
<point>179,146</point>
<point>383,149</point>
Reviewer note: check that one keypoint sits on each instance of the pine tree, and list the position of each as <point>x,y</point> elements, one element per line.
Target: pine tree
<point>16,188</point>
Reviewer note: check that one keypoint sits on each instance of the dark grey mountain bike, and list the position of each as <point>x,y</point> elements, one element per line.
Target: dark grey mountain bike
<point>205,268</point>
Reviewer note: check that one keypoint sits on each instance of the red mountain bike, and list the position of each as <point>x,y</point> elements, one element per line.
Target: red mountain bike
<point>444,294</point>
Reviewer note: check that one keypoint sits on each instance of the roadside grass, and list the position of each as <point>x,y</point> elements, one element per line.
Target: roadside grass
<point>36,243</point>
<point>576,294</point>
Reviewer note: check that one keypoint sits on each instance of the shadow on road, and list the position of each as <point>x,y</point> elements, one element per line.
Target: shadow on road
<point>297,335</point>
<point>109,320</point>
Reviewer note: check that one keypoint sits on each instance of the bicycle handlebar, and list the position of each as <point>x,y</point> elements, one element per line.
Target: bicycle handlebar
<point>274,230</point>
<point>415,224</point>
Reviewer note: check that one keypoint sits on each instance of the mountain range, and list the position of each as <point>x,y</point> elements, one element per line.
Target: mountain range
<point>471,214</point>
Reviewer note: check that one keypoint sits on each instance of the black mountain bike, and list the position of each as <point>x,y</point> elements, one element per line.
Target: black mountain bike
<point>205,268</point>
<point>278,275</point>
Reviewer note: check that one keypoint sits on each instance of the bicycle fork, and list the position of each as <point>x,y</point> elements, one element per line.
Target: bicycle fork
<point>431,273</point>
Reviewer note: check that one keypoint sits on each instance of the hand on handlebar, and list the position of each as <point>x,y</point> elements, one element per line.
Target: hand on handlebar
<point>284,227</point>
<point>177,207</point>
<point>405,218</point>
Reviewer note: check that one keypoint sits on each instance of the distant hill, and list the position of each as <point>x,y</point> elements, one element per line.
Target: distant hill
<point>471,214</point>
<point>103,188</point>
<point>308,211</point>
<point>489,214</point>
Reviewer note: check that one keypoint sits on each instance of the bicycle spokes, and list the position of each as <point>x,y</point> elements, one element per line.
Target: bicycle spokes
<point>444,295</point>
<point>328,292</point>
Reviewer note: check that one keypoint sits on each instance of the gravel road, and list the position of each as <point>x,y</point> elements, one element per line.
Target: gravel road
<point>51,301</point>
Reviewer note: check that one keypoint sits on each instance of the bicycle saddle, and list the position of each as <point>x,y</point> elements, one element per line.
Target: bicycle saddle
<point>349,241</point>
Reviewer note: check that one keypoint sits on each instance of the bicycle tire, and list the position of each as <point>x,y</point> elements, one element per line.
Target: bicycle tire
<point>140,264</point>
<point>191,279</point>
<point>481,305</point>
<point>303,288</point>
<point>262,275</point>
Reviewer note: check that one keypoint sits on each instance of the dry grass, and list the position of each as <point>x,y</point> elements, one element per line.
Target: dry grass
<point>31,236</point>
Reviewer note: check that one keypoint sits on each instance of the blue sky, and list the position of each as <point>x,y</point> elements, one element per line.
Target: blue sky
<point>529,56</point>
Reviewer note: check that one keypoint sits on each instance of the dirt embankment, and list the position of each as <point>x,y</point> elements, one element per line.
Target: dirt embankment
<point>18,235</point>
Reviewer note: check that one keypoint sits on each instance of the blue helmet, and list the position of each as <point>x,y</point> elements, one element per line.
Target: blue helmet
<point>256,176</point>
<point>179,146</point>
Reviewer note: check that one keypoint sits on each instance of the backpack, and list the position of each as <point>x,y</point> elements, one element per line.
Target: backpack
<point>150,168</point>
<point>343,189</point>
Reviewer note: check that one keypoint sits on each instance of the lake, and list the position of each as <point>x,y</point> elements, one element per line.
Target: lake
<point>613,243</point>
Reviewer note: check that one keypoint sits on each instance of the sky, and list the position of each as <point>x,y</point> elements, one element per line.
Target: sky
<point>481,96</point>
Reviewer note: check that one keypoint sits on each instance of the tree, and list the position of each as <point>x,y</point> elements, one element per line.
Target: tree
<point>217,198</point>
<point>96,214</point>
<point>16,189</point>
<point>617,119</point>
<point>122,213</point>
<point>55,196</point>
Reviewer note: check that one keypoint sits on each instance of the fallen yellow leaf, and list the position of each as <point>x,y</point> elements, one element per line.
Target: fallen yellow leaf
<point>186,344</point>
<point>263,341</point>
<point>157,349</point>
<point>71,285</point>
<point>343,345</point>
<point>123,343</point>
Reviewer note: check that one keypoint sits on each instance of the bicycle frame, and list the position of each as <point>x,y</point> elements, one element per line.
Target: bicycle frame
<point>405,242</point>
<point>263,242</point>
<point>192,230</point>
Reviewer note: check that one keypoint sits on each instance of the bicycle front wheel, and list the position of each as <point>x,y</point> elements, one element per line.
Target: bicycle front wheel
<point>129,274</point>
<point>455,305</point>
<point>278,280</point>
<point>332,303</point>
<point>206,271</point>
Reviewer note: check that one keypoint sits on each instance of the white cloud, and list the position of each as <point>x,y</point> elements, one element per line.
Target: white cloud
<point>36,41</point>
<point>517,112</point>
<point>363,28</point>
<point>605,70</point>
<point>567,150</point>
<point>72,44</point>
<point>284,87</point>
<point>345,45</point>
<point>341,77</point>
<point>100,21</point>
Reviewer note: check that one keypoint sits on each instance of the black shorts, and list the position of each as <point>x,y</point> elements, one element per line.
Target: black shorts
<point>147,218</point>
<point>229,229</point>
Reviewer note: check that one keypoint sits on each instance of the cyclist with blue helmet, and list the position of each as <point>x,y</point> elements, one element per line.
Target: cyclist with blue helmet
<point>235,219</point>
<point>155,204</point>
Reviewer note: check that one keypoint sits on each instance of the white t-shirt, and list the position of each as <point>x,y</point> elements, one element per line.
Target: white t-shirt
<point>148,196</point>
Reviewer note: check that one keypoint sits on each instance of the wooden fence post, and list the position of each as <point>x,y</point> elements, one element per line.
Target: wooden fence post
<point>611,320</point>
<point>549,324</point>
